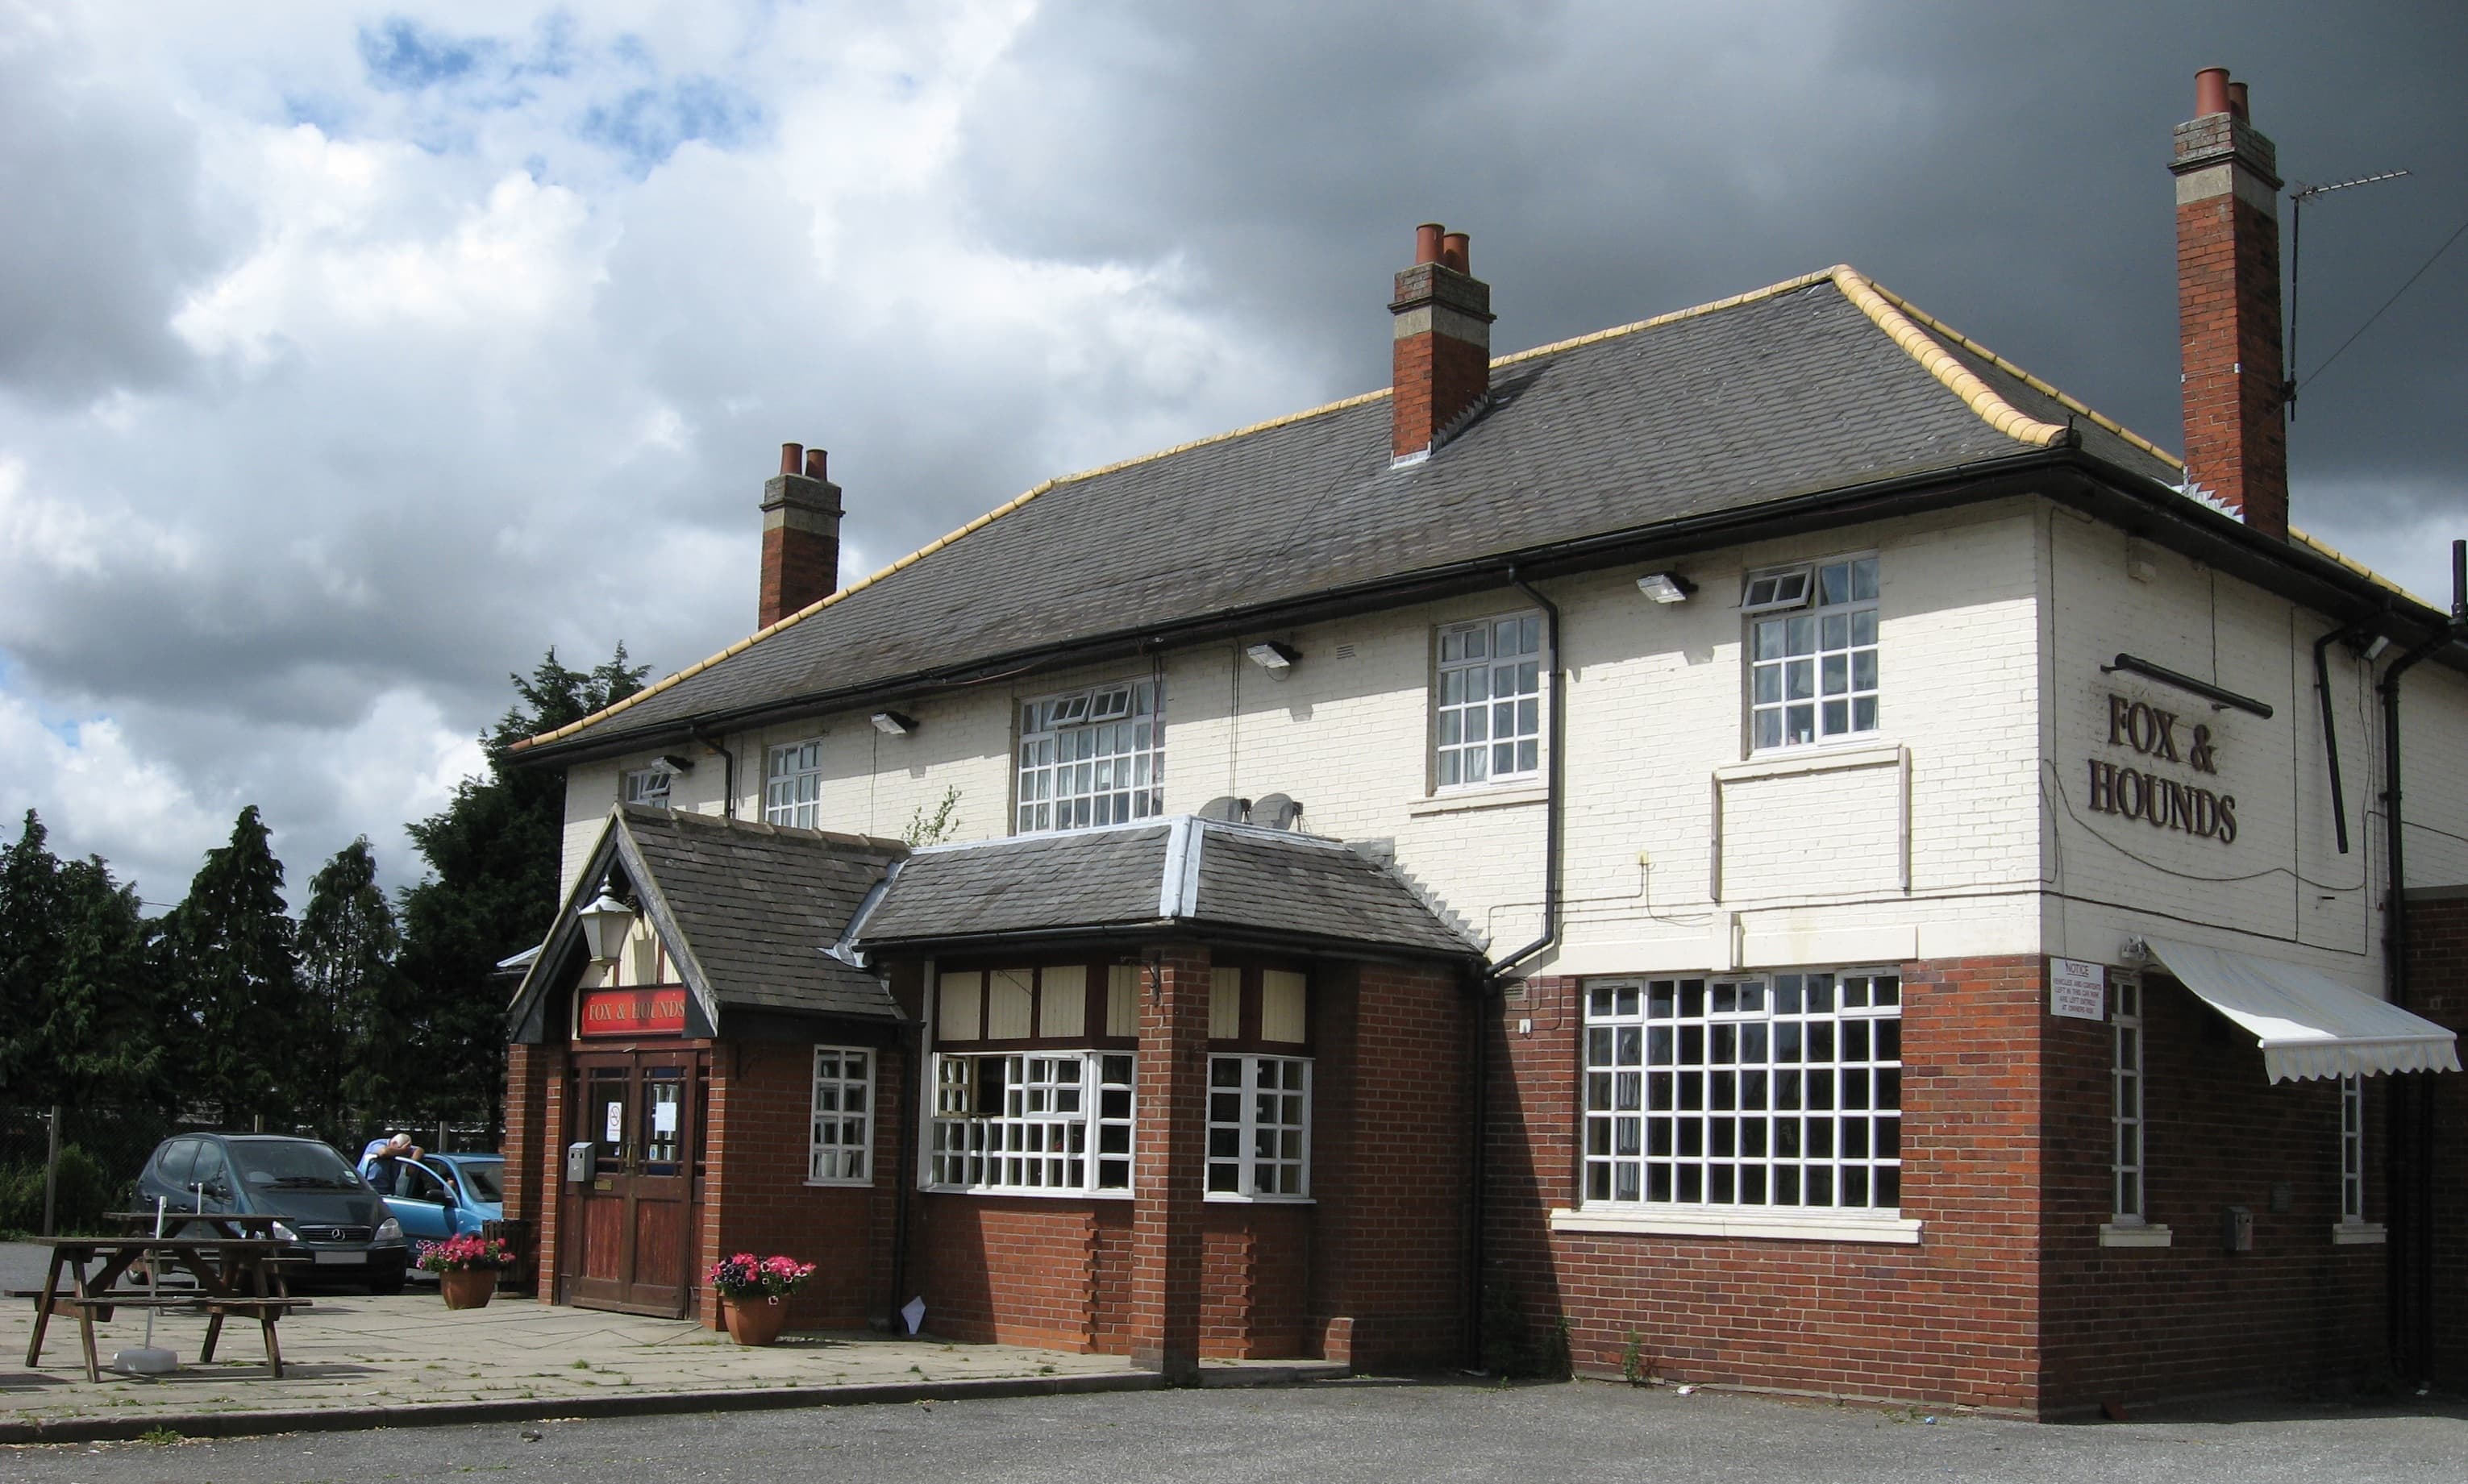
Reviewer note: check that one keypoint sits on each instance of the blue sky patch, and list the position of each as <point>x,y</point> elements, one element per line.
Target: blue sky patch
<point>404,56</point>
<point>645,124</point>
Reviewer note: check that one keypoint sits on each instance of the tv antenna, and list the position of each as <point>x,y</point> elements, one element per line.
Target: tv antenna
<point>2297,200</point>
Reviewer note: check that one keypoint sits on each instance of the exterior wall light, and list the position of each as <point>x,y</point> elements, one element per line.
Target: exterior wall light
<point>606,921</point>
<point>1273,657</point>
<point>894,723</point>
<point>1665,586</point>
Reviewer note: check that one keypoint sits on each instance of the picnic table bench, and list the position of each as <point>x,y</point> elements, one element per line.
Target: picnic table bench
<point>235,1275</point>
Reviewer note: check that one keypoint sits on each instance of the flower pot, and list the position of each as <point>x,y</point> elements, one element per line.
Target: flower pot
<point>754,1321</point>
<point>467,1287</point>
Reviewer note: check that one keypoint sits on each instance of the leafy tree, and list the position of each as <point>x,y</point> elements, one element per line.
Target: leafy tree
<point>493,852</point>
<point>104,1032</point>
<point>231,949</point>
<point>349,943</point>
<point>29,952</point>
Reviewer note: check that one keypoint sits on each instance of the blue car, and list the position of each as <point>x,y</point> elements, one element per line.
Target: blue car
<point>440,1195</point>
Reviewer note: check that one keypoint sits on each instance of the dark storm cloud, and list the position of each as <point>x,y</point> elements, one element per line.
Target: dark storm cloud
<point>103,227</point>
<point>2002,166</point>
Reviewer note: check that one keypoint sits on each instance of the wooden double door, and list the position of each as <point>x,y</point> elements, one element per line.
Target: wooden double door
<point>629,1242</point>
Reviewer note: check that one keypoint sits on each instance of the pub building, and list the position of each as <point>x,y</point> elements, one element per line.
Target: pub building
<point>1766,845</point>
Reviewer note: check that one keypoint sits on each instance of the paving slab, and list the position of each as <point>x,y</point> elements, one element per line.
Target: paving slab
<point>355,1361</point>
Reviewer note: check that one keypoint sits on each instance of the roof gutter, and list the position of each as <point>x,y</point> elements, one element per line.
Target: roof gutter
<point>2130,500</point>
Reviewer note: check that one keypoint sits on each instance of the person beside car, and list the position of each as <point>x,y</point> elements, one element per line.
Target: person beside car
<point>380,1160</point>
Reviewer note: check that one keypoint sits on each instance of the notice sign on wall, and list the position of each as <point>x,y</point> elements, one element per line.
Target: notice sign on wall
<point>2076,989</point>
<point>634,1012</point>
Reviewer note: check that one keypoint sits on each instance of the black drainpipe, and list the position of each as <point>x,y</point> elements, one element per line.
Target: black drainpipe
<point>2331,727</point>
<point>1488,989</point>
<point>2412,1131</point>
<point>728,774</point>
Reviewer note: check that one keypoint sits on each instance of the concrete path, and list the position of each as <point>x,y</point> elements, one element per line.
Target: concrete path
<point>355,1360</point>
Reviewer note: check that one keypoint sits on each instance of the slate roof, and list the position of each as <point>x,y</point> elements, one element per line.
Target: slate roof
<point>1819,384</point>
<point>1181,872</point>
<point>747,911</point>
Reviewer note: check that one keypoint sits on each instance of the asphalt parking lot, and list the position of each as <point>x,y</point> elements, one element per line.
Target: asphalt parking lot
<point>1363,1431</point>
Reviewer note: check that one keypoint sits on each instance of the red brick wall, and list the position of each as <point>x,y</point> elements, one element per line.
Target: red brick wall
<point>550,1141</point>
<point>756,1197</point>
<point>1950,1318</point>
<point>1024,1270</point>
<point>1170,1140</point>
<point>2437,972</point>
<point>2139,1325</point>
<point>528,1070</point>
<point>1254,1266</point>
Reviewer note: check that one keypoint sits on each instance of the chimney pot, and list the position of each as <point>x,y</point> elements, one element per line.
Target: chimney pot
<point>1428,239</point>
<point>817,464</point>
<point>791,457</point>
<point>2210,91</point>
<point>2237,105</point>
<point>1456,251</point>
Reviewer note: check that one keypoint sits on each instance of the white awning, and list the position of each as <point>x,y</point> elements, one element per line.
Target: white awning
<point>2308,1024</point>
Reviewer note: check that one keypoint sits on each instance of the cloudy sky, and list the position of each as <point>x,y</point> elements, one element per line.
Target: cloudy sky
<point>352,355</point>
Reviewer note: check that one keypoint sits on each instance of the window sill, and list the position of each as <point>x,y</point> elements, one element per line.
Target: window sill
<point>2138,1234</point>
<point>1028,1195</point>
<point>2358,1234</point>
<point>1699,1222</point>
<point>864,1184</point>
<point>1815,757</point>
<point>1466,799</point>
<point>1221,1197</point>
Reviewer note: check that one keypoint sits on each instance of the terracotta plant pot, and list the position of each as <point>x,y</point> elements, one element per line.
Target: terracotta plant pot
<point>754,1321</point>
<point>469,1287</point>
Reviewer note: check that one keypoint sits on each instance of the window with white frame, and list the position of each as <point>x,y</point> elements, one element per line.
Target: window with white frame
<point>792,786</point>
<point>1057,1123</point>
<point>840,1146</point>
<point>1779,1091</point>
<point>1812,673</point>
<point>2126,1076</point>
<point>1488,720</point>
<point>2352,1149</point>
<point>1094,757</point>
<point>649,786</point>
<point>1259,1126</point>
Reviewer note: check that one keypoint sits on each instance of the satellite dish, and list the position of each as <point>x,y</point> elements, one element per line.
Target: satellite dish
<point>1276,812</point>
<point>1225,807</point>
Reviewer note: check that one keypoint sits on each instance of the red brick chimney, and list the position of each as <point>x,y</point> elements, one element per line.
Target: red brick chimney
<point>1443,343</point>
<point>801,535</point>
<point>2228,305</point>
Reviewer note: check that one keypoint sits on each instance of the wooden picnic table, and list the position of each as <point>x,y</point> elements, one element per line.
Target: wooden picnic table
<point>225,1223</point>
<point>234,1275</point>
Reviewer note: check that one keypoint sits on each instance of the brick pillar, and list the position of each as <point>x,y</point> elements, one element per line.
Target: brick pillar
<point>1170,1157</point>
<point>530,1157</point>
<point>801,536</point>
<point>550,1141</point>
<point>727,1058</point>
<point>2228,306</point>
<point>1442,354</point>
<point>2438,988</point>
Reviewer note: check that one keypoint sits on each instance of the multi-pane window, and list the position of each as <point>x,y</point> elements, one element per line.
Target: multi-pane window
<point>1488,720</point>
<point>1054,1122</point>
<point>1259,1126</point>
<point>792,786</point>
<point>1813,673</point>
<point>2126,1078</point>
<point>1780,1091</point>
<point>647,786</point>
<point>843,1116</point>
<point>1092,758</point>
<point>2352,1149</point>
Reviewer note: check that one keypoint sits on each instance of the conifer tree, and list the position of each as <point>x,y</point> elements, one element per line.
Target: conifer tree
<point>493,852</point>
<point>103,1031</point>
<point>231,952</point>
<point>348,946</point>
<point>29,952</point>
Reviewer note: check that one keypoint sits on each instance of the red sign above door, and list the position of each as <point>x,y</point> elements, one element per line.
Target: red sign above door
<point>634,1012</point>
